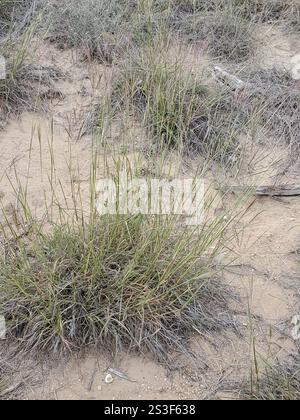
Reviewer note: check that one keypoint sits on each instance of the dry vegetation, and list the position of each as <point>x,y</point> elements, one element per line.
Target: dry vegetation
<point>142,284</point>
<point>279,382</point>
<point>114,284</point>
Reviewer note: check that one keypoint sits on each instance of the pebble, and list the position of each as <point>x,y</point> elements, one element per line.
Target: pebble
<point>108,379</point>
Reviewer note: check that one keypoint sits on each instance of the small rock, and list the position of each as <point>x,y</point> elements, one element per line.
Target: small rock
<point>108,379</point>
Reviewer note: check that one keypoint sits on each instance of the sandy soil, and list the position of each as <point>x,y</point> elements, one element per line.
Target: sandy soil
<point>265,272</point>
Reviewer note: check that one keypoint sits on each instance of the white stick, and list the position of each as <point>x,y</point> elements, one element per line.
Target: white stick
<point>230,80</point>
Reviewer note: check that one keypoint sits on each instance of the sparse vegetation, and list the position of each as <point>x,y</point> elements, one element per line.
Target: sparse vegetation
<point>3,382</point>
<point>169,103</point>
<point>26,85</point>
<point>15,15</point>
<point>262,10</point>
<point>228,35</point>
<point>99,28</point>
<point>276,94</point>
<point>293,18</point>
<point>179,110</point>
<point>71,279</point>
<point>279,382</point>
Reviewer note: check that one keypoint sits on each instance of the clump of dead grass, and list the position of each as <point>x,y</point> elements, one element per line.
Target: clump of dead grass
<point>293,18</point>
<point>15,15</point>
<point>285,13</point>
<point>6,15</point>
<point>4,382</point>
<point>9,386</point>
<point>262,10</point>
<point>227,34</point>
<point>277,97</point>
<point>194,6</point>
<point>230,37</point>
<point>99,28</point>
<point>25,86</point>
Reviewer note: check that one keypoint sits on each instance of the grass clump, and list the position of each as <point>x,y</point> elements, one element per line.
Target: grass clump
<point>193,6</point>
<point>178,109</point>
<point>293,17</point>
<point>270,11</point>
<point>15,15</point>
<point>4,385</point>
<point>276,94</point>
<point>120,283</point>
<point>280,382</point>
<point>228,35</point>
<point>25,86</point>
<point>14,93</point>
<point>99,28</point>
<point>6,11</point>
<point>262,10</point>
<point>104,30</point>
<point>169,104</point>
